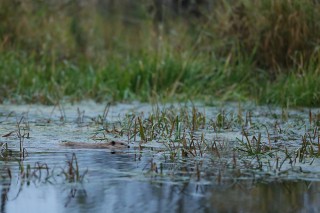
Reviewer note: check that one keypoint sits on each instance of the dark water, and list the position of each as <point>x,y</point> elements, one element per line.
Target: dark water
<point>119,183</point>
<point>132,180</point>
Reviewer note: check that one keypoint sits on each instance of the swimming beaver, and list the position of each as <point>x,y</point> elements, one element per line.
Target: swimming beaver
<point>112,145</point>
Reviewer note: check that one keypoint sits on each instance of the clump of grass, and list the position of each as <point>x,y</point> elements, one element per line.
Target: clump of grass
<point>310,146</point>
<point>253,147</point>
<point>294,89</point>
<point>72,171</point>
<point>176,129</point>
<point>272,155</point>
<point>275,34</point>
<point>22,133</point>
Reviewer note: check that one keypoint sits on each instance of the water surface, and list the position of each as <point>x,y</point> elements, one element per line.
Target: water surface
<point>145,179</point>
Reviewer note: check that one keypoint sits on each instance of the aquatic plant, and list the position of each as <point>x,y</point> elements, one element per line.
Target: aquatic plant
<point>39,174</point>
<point>310,146</point>
<point>254,146</point>
<point>72,172</point>
<point>22,133</point>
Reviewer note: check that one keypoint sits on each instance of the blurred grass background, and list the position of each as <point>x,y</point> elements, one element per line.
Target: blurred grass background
<point>262,50</point>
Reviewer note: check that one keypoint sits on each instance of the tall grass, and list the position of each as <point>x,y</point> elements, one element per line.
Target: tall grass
<point>232,50</point>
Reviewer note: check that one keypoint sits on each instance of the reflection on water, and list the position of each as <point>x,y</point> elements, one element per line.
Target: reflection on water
<point>284,196</point>
<point>118,183</point>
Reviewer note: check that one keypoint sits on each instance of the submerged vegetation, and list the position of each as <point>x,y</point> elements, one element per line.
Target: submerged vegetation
<point>265,50</point>
<point>266,143</point>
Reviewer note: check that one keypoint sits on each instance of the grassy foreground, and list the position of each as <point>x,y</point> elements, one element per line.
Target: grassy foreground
<point>266,50</point>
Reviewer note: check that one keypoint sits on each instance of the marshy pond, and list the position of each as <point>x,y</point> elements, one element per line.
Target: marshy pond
<point>89,157</point>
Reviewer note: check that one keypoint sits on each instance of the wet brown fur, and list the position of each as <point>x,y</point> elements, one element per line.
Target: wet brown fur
<point>114,145</point>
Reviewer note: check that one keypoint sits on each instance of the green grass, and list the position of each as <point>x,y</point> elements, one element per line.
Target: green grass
<point>266,51</point>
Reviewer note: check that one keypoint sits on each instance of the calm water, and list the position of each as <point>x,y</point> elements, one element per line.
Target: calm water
<point>127,181</point>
